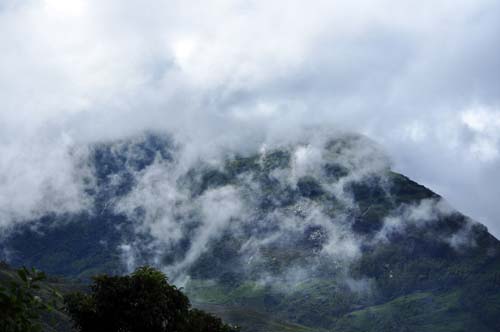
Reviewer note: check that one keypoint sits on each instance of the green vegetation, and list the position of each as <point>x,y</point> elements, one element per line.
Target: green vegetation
<point>420,311</point>
<point>143,301</point>
<point>254,320</point>
<point>23,301</point>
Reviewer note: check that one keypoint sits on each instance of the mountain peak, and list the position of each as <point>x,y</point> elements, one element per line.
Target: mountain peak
<point>283,229</point>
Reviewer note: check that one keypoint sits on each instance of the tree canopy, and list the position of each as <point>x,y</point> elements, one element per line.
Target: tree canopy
<point>141,302</point>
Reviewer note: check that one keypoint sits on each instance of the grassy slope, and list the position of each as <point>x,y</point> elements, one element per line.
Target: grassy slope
<point>419,311</point>
<point>252,320</point>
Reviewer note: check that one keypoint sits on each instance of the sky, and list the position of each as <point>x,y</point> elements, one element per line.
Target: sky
<point>421,78</point>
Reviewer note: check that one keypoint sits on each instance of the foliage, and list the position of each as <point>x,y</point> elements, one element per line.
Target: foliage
<point>201,321</point>
<point>143,301</point>
<point>21,305</point>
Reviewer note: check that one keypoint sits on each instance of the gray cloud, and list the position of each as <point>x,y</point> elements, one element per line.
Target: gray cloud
<point>418,77</point>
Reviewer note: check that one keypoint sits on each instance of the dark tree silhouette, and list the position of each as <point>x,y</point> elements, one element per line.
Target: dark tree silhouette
<point>141,302</point>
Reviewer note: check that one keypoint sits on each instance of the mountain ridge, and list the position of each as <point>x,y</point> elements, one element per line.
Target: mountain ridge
<point>319,234</point>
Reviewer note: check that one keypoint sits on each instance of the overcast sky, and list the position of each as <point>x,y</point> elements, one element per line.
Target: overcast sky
<point>422,78</point>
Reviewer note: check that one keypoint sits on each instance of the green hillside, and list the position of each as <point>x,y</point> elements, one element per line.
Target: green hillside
<point>305,237</point>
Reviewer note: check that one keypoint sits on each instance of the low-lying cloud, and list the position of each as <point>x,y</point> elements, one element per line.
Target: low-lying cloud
<point>285,217</point>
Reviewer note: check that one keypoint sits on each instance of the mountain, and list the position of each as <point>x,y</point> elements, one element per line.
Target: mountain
<point>313,235</point>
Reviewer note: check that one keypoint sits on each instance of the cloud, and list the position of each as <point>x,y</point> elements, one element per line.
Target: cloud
<point>417,76</point>
<point>41,176</point>
<point>424,213</point>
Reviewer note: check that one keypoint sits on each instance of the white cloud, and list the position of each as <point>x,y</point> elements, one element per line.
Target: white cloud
<point>421,215</point>
<point>40,176</point>
<point>409,74</point>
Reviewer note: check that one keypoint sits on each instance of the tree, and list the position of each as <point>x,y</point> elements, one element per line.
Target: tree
<point>141,302</point>
<point>200,321</point>
<point>21,304</point>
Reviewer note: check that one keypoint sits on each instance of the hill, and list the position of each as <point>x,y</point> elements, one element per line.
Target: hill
<point>310,236</point>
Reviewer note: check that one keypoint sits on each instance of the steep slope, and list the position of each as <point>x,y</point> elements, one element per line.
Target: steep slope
<point>319,234</point>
